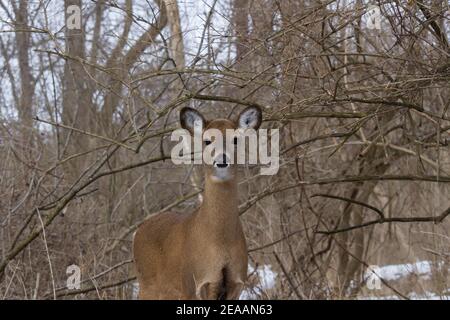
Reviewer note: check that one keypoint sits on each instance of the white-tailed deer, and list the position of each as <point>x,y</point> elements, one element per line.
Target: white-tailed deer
<point>200,254</point>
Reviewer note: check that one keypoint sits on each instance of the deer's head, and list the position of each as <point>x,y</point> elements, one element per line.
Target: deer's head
<point>221,138</point>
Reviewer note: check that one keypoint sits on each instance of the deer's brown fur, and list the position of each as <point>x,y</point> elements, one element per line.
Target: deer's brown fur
<point>195,255</point>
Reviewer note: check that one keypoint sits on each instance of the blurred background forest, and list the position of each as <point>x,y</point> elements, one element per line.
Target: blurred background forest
<point>359,91</point>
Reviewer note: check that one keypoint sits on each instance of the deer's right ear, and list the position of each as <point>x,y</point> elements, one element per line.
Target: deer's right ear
<point>191,120</point>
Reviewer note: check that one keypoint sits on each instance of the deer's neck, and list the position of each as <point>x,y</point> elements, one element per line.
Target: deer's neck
<point>219,214</point>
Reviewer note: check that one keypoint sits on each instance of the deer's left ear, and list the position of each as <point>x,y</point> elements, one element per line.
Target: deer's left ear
<point>250,118</point>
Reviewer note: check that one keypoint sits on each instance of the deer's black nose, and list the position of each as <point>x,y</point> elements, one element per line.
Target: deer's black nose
<point>222,161</point>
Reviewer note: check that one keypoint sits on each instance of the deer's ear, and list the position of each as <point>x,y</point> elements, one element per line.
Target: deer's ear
<point>250,118</point>
<point>191,120</point>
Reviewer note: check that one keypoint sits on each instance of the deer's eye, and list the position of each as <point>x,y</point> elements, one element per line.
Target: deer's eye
<point>207,142</point>
<point>235,140</point>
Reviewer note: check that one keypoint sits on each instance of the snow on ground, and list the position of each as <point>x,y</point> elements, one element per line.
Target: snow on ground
<point>266,280</point>
<point>427,295</point>
<point>397,271</point>
<point>422,269</point>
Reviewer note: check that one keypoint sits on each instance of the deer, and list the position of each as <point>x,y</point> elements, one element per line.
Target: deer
<point>198,255</point>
